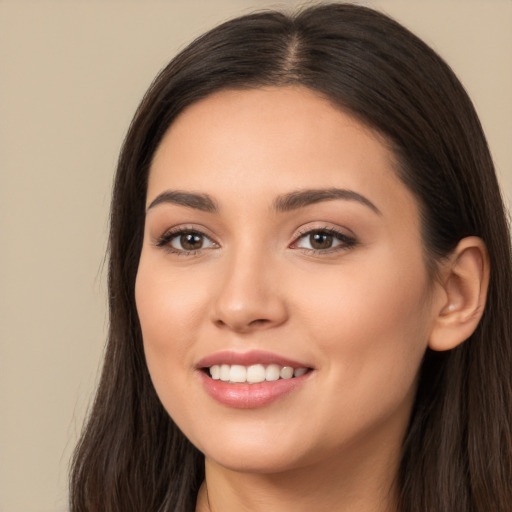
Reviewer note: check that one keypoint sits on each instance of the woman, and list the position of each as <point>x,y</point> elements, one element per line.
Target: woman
<point>309,283</point>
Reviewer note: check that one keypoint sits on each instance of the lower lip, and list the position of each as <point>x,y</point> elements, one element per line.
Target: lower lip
<point>250,396</point>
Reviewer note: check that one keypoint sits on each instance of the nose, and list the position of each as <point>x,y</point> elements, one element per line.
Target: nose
<point>249,296</point>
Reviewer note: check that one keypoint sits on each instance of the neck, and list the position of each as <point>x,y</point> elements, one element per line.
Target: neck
<point>359,484</point>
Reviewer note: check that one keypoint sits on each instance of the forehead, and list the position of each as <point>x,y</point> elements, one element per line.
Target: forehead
<point>272,140</point>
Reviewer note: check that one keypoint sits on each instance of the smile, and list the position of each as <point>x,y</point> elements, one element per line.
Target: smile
<point>252,379</point>
<point>253,374</point>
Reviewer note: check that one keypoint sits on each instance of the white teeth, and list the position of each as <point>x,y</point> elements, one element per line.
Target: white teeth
<point>253,374</point>
<point>286,372</point>
<point>224,372</point>
<point>272,372</point>
<point>215,372</point>
<point>238,373</point>
<point>299,372</point>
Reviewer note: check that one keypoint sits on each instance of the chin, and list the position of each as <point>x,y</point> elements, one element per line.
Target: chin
<point>263,461</point>
<point>255,452</point>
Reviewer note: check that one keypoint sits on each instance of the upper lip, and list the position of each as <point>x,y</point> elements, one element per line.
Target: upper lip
<point>249,358</point>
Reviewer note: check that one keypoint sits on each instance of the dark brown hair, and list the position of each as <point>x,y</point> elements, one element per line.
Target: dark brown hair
<point>457,454</point>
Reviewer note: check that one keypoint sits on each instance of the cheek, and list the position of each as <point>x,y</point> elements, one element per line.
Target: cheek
<point>371,326</point>
<point>170,310</point>
<point>169,304</point>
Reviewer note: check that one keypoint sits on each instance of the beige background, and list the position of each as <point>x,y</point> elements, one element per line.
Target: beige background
<point>71,75</point>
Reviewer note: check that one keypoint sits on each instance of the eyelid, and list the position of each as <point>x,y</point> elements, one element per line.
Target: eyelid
<point>164,241</point>
<point>348,240</point>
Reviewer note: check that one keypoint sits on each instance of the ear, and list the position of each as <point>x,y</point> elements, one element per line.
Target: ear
<point>463,283</point>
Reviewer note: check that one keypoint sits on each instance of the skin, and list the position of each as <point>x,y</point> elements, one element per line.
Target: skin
<point>361,316</point>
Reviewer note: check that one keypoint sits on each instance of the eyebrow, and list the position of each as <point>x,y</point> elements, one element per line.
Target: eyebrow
<point>302,198</point>
<point>201,202</point>
<point>284,203</point>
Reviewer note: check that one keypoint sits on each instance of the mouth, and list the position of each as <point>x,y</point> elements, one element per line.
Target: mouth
<point>252,379</point>
<point>253,374</point>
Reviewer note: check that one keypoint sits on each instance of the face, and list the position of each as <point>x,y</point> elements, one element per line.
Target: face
<point>282,289</point>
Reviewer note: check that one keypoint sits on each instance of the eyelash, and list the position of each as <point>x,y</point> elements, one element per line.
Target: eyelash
<point>165,241</point>
<point>347,242</point>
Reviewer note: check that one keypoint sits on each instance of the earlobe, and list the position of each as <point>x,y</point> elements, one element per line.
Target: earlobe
<point>464,281</point>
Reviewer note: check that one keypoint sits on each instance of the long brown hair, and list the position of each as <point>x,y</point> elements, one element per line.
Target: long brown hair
<point>457,454</point>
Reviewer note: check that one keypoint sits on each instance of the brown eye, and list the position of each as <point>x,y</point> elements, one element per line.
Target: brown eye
<point>190,241</point>
<point>186,242</point>
<point>324,240</point>
<point>321,240</point>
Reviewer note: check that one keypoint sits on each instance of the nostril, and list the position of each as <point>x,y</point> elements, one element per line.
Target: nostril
<point>243,326</point>
<point>259,321</point>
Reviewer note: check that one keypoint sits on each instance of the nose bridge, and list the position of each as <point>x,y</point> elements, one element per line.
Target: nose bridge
<point>248,295</point>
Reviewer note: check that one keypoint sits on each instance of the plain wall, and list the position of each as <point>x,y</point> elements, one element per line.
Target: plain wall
<point>71,76</point>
